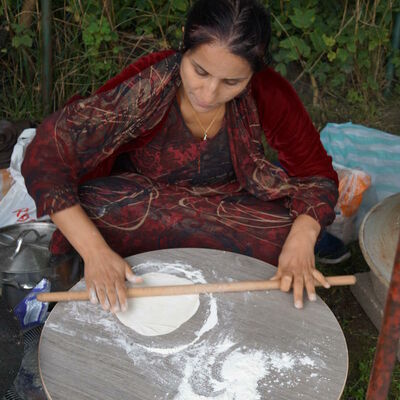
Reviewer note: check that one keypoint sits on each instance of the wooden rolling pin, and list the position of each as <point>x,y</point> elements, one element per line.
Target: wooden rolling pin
<point>149,291</point>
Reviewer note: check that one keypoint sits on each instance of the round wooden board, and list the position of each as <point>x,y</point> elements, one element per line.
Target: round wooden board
<point>86,353</point>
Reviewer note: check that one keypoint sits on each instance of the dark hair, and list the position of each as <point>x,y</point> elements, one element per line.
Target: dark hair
<point>242,25</point>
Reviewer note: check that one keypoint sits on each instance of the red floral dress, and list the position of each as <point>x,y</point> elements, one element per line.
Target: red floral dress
<point>181,191</point>
<point>174,190</point>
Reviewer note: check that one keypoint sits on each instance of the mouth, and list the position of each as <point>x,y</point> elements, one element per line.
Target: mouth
<point>201,105</point>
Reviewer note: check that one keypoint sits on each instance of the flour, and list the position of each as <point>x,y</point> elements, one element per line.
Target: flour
<point>225,371</point>
<point>239,376</point>
<point>82,312</point>
<point>206,364</point>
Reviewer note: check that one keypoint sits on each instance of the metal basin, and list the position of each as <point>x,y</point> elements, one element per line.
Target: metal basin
<point>378,236</point>
<point>25,259</point>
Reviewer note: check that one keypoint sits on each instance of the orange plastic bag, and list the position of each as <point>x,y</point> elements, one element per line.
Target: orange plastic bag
<point>352,184</point>
<point>5,182</point>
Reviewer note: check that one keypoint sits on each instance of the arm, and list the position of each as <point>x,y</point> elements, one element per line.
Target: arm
<point>289,130</point>
<point>75,141</point>
<point>105,271</point>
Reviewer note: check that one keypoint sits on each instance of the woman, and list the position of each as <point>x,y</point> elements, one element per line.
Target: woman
<point>188,131</point>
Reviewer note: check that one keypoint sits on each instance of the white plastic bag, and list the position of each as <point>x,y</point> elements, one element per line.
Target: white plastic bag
<point>375,152</point>
<point>17,206</point>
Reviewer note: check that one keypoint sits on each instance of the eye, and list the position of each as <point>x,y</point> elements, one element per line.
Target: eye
<point>230,82</point>
<point>200,72</point>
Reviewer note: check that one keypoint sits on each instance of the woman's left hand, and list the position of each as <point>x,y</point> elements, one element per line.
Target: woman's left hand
<point>296,266</point>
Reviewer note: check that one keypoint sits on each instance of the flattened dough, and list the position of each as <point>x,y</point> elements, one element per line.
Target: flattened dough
<point>153,316</point>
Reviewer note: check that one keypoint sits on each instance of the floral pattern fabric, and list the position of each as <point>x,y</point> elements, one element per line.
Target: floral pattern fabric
<point>175,205</point>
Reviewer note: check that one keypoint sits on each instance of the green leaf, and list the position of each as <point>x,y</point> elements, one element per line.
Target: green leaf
<point>117,49</point>
<point>294,43</point>
<point>363,59</point>
<point>372,83</point>
<point>303,19</point>
<point>316,40</point>
<point>21,41</point>
<point>354,97</point>
<point>351,46</point>
<point>328,40</point>
<point>342,55</point>
<point>281,68</point>
<point>373,44</point>
<point>179,5</point>
<point>331,55</point>
<point>337,80</point>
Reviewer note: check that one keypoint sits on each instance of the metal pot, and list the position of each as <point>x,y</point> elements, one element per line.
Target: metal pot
<point>25,259</point>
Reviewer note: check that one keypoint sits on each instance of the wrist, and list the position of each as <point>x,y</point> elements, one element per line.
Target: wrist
<point>306,227</point>
<point>93,248</point>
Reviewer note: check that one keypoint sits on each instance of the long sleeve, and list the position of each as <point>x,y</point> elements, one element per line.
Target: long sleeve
<point>76,139</point>
<point>289,130</point>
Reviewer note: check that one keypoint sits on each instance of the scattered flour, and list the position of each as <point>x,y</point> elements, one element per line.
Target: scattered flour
<point>224,371</point>
<point>212,366</point>
<point>240,373</point>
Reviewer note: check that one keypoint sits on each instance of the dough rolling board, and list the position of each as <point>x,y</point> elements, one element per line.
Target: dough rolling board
<point>238,346</point>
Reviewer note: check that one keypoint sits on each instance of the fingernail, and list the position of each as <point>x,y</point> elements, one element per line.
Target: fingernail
<point>298,304</point>
<point>124,307</point>
<point>115,309</point>
<point>312,297</point>
<point>327,286</point>
<point>93,296</point>
<point>106,305</point>
<point>135,279</point>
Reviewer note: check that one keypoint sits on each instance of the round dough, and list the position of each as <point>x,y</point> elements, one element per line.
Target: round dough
<point>159,315</point>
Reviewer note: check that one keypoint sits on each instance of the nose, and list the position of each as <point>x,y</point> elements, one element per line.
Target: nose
<point>210,91</point>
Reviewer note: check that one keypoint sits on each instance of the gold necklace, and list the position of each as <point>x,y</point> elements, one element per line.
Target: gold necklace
<point>201,125</point>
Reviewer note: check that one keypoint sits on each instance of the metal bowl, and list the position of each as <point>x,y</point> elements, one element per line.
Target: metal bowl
<point>25,259</point>
<point>378,236</point>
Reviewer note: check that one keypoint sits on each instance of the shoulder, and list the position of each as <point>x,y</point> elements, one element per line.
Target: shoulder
<point>133,69</point>
<point>270,89</point>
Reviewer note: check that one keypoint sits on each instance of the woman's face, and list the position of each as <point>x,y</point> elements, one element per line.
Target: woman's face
<point>212,75</point>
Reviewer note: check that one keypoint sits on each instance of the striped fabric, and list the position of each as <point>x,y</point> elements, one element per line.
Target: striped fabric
<point>375,152</point>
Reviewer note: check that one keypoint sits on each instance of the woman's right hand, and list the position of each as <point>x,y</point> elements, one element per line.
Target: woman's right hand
<point>105,274</point>
<point>105,270</point>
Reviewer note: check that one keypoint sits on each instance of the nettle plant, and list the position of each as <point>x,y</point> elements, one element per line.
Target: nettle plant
<point>339,47</point>
<point>342,46</point>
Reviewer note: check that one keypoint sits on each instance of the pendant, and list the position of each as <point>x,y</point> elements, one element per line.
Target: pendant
<point>205,136</point>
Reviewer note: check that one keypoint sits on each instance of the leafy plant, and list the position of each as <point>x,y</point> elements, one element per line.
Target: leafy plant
<point>339,49</point>
<point>339,45</point>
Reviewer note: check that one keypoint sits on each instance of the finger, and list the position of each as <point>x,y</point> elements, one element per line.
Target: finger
<point>112,298</point>
<point>130,276</point>
<point>286,283</point>
<point>276,277</point>
<point>101,294</point>
<point>121,294</point>
<point>321,279</point>
<point>93,296</point>
<point>309,282</point>
<point>298,288</point>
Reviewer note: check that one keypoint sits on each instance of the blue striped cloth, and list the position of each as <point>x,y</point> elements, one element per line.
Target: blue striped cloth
<point>375,152</point>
